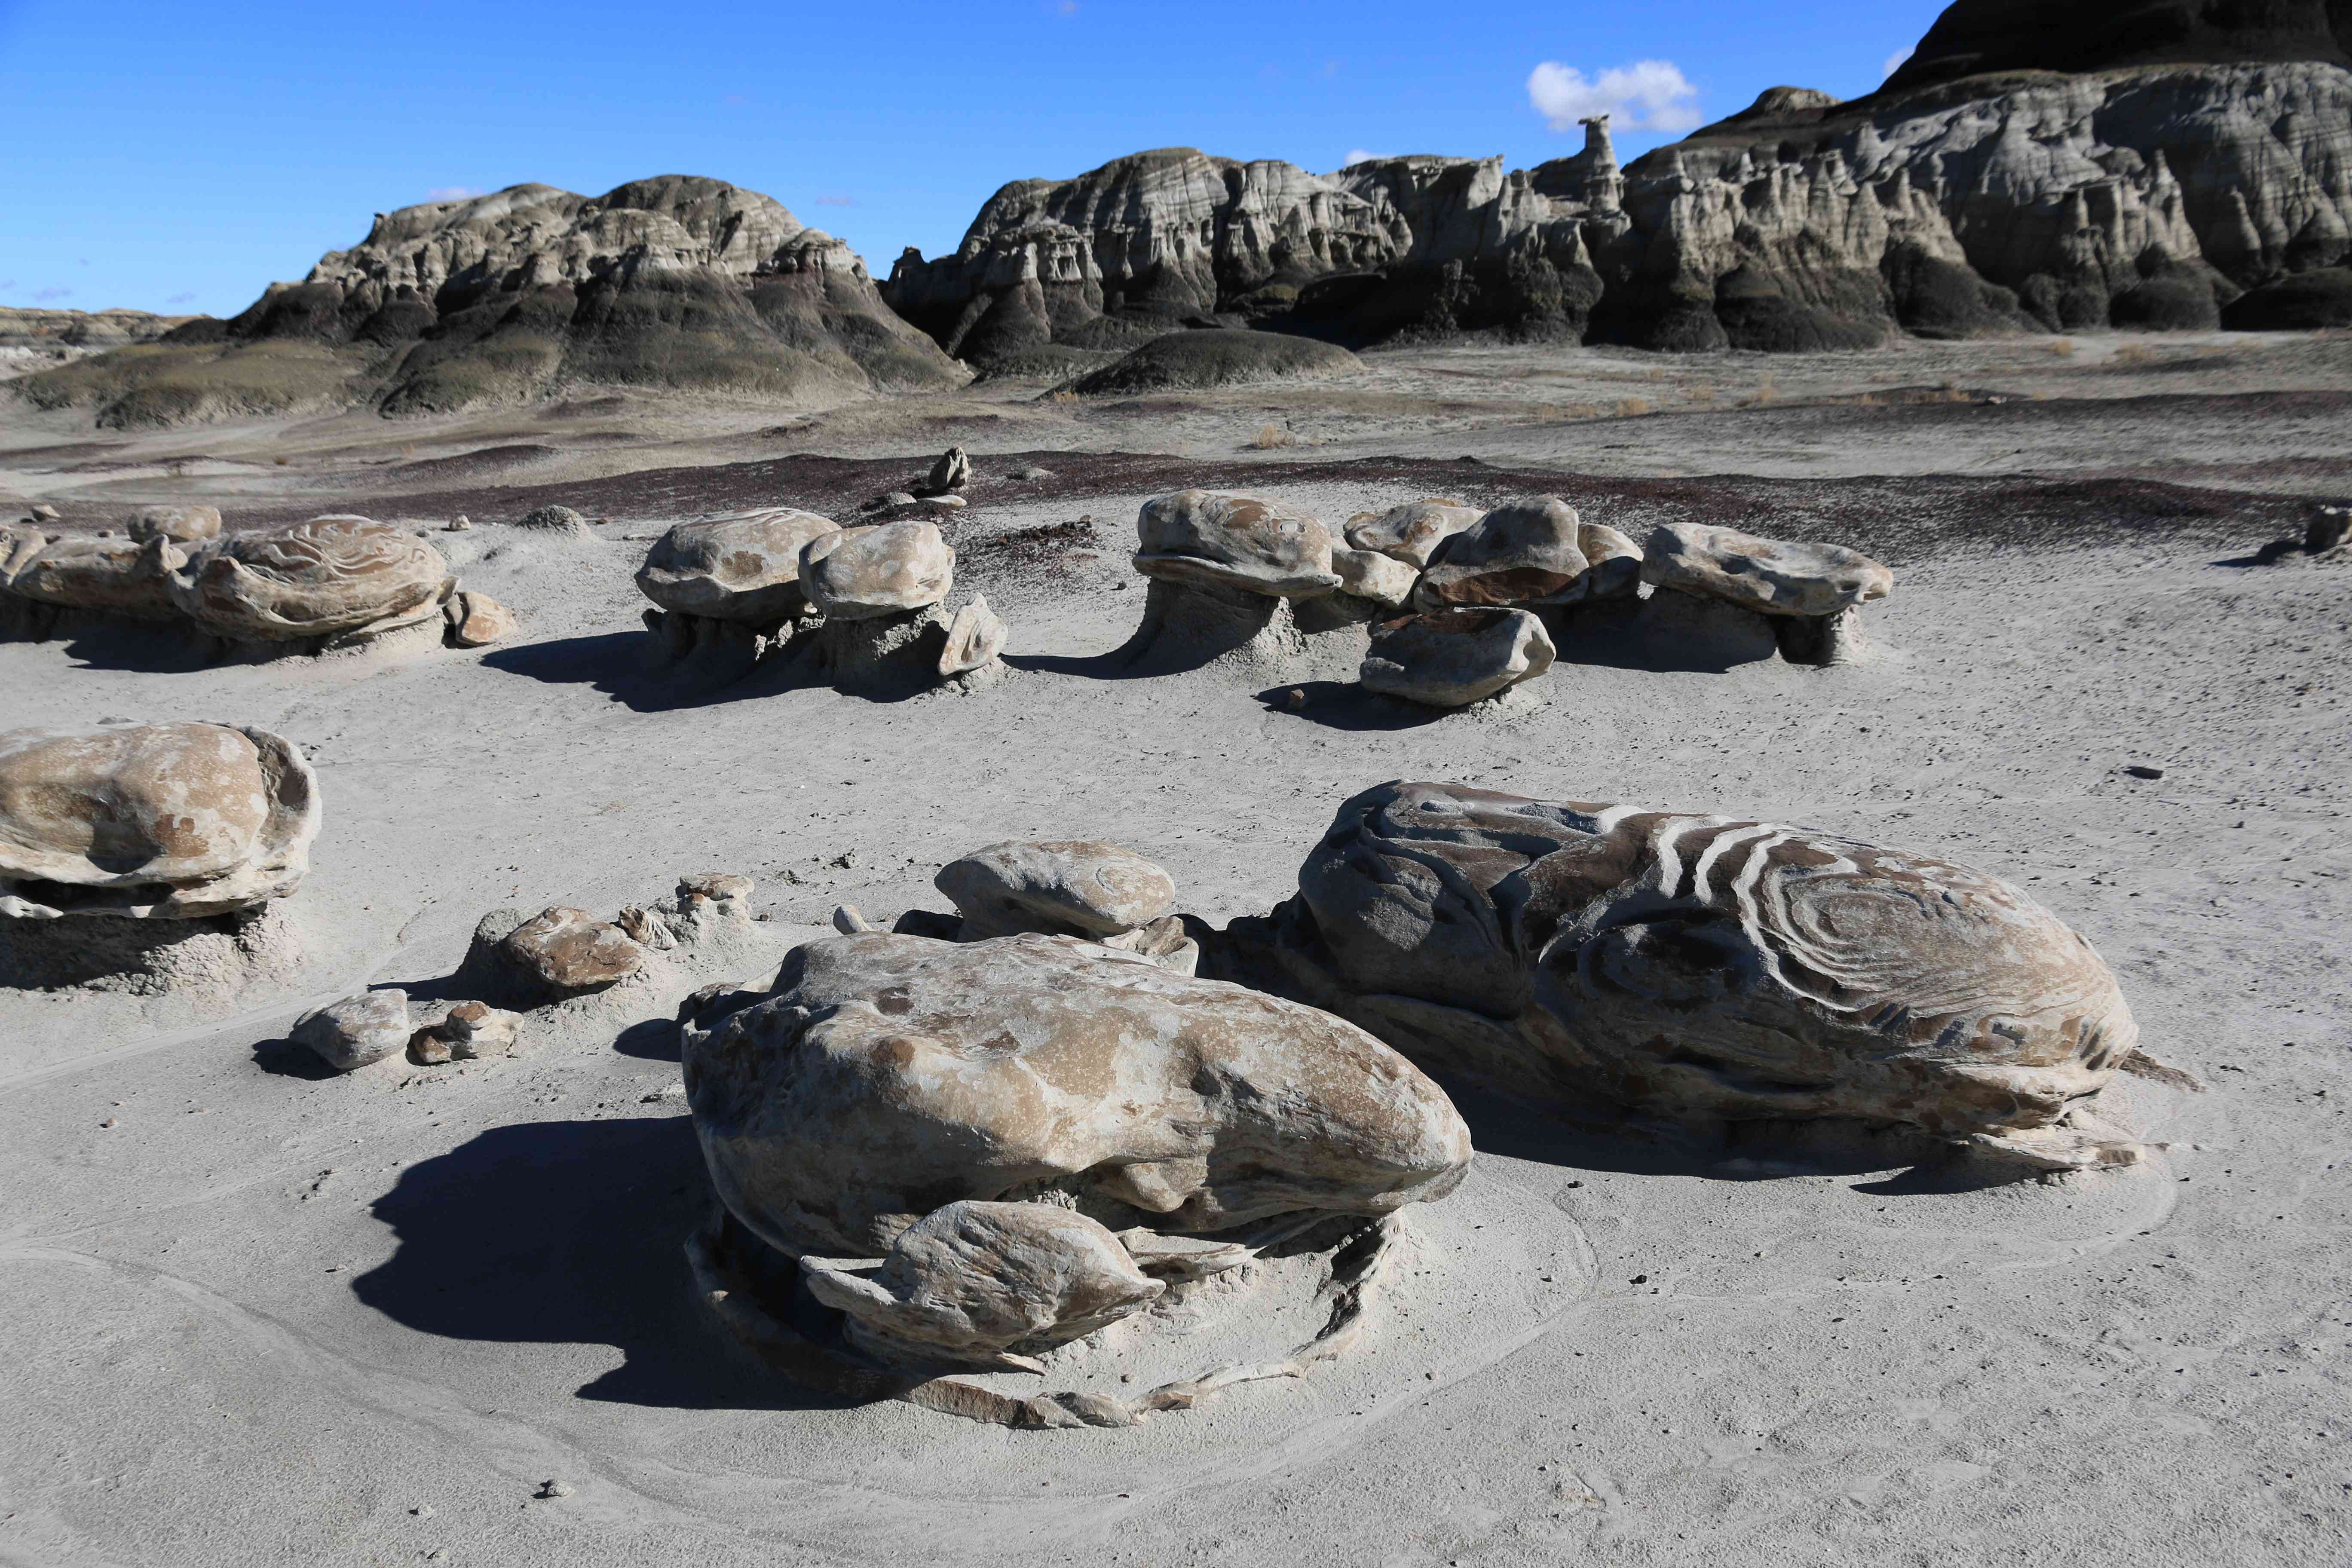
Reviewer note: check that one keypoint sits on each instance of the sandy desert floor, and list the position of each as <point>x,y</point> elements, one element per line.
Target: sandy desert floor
<point>263,1315</point>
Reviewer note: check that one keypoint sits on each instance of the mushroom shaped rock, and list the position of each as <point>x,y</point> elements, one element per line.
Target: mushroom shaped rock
<point>1082,890</point>
<point>1699,965</point>
<point>477,620</point>
<point>887,569</point>
<point>1762,574</point>
<point>1368,575</point>
<point>1266,548</point>
<point>358,1030</point>
<point>981,1281</point>
<point>571,952</point>
<point>181,524</point>
<point>326,577</point>
<point>885,1076</point>
<point>1411,533</point>
<point>1451,658</point>
<point>157,821</point>
<point>740,566</point>
<point>1524,553</point>
<point>113,576</point>
<point>975,637</point>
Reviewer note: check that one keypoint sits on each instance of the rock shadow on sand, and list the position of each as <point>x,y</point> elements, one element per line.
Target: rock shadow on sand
<point>569,1232</point>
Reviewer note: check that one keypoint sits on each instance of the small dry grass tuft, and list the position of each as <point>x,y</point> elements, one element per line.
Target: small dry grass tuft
<point>1702,393</point>
<point>2133,353</point>
<point>1270,436</point>
<point>281,462</point>
<point>2063,348</point>
<point>1063,394</point>
<point>1633,407</point>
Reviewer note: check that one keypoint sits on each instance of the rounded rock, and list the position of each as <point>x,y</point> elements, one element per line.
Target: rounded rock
<point>321,578</point>
<point>887,569</point>
<point>740,566</point>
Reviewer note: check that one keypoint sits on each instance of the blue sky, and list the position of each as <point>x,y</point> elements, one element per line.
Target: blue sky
<point>179,156</point>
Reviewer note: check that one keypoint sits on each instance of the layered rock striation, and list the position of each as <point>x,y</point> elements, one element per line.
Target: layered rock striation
<point>2136,186</point>
<point>677,282</point>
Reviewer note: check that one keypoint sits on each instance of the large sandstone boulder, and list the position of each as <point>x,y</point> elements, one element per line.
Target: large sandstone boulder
<point>1411,532</point>
<point>562,951</point>
<point>1261,547</point>
<point>1451,658</point>
<point>885,1076</point>
<point>156,821</point>
<point>350,1034</point>
<point>1530,553</point>
<point>117,577</point>
<point>860,573</point>
<point>1082,890</point>
<point>331,577</point>
<point>1703,966</point>
<point>1766,575</point>
<point>742,566</point>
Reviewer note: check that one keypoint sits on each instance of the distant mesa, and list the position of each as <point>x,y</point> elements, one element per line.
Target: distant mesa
<point>1980,38</point>
<point>677,283</point>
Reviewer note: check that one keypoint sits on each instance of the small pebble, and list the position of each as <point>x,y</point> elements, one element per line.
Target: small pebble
<point>553,1489</point>
<point>423,1511</point>
<point>110,1121</point>
<point>2140,771</point>
<point>1640,1279</point>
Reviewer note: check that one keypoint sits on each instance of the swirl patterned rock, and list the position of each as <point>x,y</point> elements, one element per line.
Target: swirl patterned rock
<point>159,822</point>
<point>328,577</point>
<point>1703,966</point>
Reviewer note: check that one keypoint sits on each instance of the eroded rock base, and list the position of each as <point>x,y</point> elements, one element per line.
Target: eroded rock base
<point>1192,626</point>
<point>214,955</point>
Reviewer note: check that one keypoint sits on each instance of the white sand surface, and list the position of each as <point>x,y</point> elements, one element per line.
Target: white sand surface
<point>271,1317</point>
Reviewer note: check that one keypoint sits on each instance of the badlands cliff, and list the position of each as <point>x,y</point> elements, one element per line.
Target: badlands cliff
<point>676,282</point>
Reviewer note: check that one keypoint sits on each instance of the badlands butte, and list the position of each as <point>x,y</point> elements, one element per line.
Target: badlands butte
<point>1435,865</point>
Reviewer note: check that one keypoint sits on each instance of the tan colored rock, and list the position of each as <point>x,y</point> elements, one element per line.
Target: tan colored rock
<point>18,547</point>
<point>477,620</point>
<point>741,566</point>
<point>1524,553</point>
<point>975,637</point>
<point>1762,574</point>
<point>571,952</point>
<point>357,1030</point>
<point>988,1282</point>
<point>1260,547</point>
<point>1164,942</point>
<point>111,576</point>
<point>180,524</point>
<point>1368,575</point>
<point>887,1077</point>
<point>1072,889</point>
<point>472,1029</point>
<point>859,573</point>
<point>1411,533</point>
<point>706,904</point>
<point>156,821</point>
<point>1451,658</point>
<point>1702,966</point>
<point>43,511</point>
<point>326,577</point>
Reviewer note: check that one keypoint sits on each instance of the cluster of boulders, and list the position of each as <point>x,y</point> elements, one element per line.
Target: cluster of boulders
<point>871,600</point>
<point>980,1136</point>
<point>1460,603</point>
<point>334,581</point>
<point>518,963</point>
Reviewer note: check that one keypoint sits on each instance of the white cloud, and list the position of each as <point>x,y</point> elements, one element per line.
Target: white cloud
<point>836,201</point>
<point>1895,61</point>
<point>1361,156</point>
<point>1648,95</point>
<point>451,192</point>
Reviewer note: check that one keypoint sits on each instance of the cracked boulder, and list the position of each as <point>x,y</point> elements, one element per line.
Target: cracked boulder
<point>889,569</point>
<point>117,577</point>
<point>330,578</point>
<point>741,566</point>
<point>1073,889</point>
<point>1266,548</point>
<point>1535,553</point>
<point>885,1076</point>
<point>176,821</point>
<point>1700,966</point>
<point>1451,658</point>
<point>1410,533</point>
<point>350,1034</point>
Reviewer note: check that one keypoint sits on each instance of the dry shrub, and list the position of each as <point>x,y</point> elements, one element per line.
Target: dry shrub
<point>1582,411</point>
<point>1270,436</point>
<point>2063,348</point>
<point>1633,407</point>
<point>1700,394</point>
<point>281,462</point>
<point>2133,353</point>
<point>1063,394</point>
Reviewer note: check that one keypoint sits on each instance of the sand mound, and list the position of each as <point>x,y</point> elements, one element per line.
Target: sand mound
<point>1194,361</point>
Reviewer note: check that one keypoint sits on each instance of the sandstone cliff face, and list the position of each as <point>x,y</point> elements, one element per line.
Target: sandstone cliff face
<point>675,282</point>
<point>2150,197</point>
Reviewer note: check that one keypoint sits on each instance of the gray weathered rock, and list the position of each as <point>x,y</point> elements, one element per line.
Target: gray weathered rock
<point>952,471</point>
<point>1236,541</point>
<point>1762,574</point>
<point>356,1031</point>
<point>181,524</point>
<point>1368,575</point>
<point>114,577</point>
<point>742,566</point>
<point>1524,553</point>
<point>1451,658</point>
<point>1076,889</point>
<point>328,577</point>
<point>1701,966</point>
<point>854,574</point>
<point>470,1029</point>
<point>888,1076</point>
<point>987,1281</point>
<point>1411,532</point>
<point>156,821</point>
<point>975,637</point>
